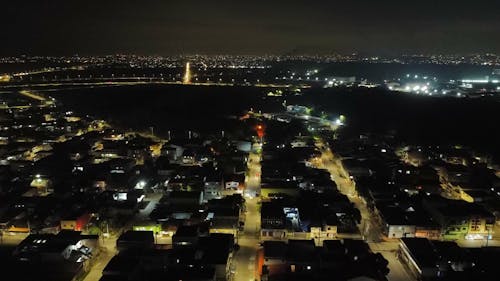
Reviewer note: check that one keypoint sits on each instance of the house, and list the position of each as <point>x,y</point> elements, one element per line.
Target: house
<point>333,256</point>
<point>459,219</point>
<point>302,256</point>
<point>55,248</point>
<point>121,267</point>
<point>50,257</point>
<point>189,235</point>
<point>185,198</point>
<point>218,252</point>
<point>76,221</point>
<point>279,189</point>
<point>356,168</point>
<point>234,181</point>
<point>213,187</point>
<point>273,222</point>
<point>303,260</point>
<point>155,264</point>
<point>225,215</point>
<point>224,220</point>
<point>397,223</point>
<point>433,259</point>
<point>131,240</point>
<point>172,152</point>
<point>273,258</point>
<point>120,166</point>
<point>325,229</point>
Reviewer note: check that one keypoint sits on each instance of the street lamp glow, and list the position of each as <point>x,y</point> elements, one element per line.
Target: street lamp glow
<point>140,185</point>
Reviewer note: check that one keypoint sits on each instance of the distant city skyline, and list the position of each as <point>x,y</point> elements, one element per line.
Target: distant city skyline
<point>386,27</point>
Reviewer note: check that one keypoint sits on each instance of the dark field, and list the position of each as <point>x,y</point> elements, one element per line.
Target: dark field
<point>428,120</point>
<point>174,107</point>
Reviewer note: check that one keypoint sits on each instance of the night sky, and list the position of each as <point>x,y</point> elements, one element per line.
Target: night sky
<point>386,27</point>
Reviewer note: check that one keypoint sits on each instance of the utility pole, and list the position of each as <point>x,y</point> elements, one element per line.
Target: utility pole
<point>488,237</point>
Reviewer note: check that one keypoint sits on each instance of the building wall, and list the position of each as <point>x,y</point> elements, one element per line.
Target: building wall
<point>225,230</point>
<point>275,266</point>
<point>429,233</point>
<point>273,234</point>
<point>68,224</point>
<point>479,228</point>
<point>400,231</point>
<point>265,191</point>
<point>422,272</point>
<point>320,234</point>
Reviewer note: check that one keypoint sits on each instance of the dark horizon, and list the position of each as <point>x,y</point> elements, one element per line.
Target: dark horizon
<point>386,27</point>
<point>291,54</point>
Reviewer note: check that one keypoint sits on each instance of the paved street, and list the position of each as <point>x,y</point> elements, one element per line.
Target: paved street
<point>398,272</point>
<point>249,243</point>
<point>12,239</point>
<point>108,251</point>
<point>370,227</point>
<point>249,238</point>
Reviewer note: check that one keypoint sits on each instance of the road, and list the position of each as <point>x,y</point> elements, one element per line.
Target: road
<point>135,81</point>
<point>12,239</point>
<point>248,240</point>
<point>108,251</point>
<point>32,95</point>
<point>397,271</point>
<point>244,260</point>
<point>108,245</point>
<point>370,225</point>
<point>252,187</point>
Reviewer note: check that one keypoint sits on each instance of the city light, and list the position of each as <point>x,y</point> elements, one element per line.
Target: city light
<point>187,74</point>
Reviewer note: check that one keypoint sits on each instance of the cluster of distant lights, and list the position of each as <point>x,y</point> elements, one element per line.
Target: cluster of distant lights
<point>334,82</point>
<point>295,76</point>
<point>420,87</point>
<point>494,81</point>
<point>469,83</point>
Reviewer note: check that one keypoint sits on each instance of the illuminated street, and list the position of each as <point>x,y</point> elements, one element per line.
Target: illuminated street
<point>245,259</point>
<point>108,251</point>
<point>370,225</point>
<point>249,238</point>
<point>12,239</point>
<point>398,271</point>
